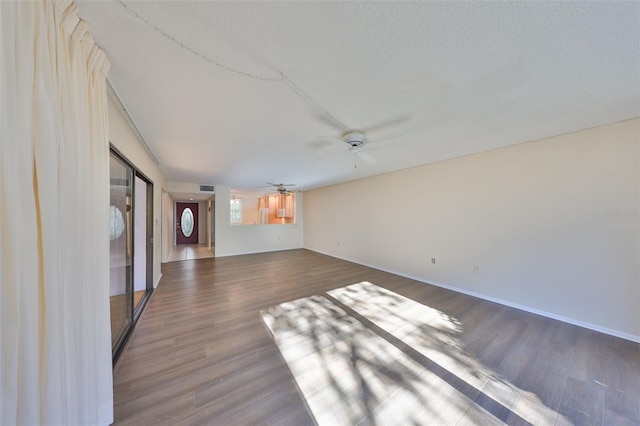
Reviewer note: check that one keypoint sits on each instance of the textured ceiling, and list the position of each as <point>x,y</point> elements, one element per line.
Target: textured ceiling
<point>239,93</point>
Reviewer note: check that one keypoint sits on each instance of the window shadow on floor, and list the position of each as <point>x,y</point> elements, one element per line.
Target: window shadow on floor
<point>362,353</point>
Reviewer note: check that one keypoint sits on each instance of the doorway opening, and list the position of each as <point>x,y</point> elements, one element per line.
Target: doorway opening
<point>187,223</point>
<point>194,229</point>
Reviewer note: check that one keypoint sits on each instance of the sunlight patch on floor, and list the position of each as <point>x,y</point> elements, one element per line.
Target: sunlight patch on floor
<point>362,353</point>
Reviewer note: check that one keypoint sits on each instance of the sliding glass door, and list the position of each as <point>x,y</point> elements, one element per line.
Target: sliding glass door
<point>121,180</point>
<point>131,247</point>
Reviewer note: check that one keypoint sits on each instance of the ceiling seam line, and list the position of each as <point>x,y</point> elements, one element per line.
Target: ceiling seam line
<point>182,45</point>
<point>286,81</point>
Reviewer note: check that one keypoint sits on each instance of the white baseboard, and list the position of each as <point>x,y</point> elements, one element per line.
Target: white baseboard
<point>242,253</point>
<point>157,281</point>
<point>546,314</point>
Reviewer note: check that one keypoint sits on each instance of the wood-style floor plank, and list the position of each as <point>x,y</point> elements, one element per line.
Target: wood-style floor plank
<point>201,354</point>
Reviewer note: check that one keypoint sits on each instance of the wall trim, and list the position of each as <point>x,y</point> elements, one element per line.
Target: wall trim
<point>587,325</point>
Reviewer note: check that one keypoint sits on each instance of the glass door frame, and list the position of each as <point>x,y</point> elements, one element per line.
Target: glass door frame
<point>134,311</point>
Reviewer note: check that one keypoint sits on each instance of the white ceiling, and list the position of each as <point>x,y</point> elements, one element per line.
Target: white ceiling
<point>453,78</point>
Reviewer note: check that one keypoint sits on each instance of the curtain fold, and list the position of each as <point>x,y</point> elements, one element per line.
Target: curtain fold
<point>55,359</point>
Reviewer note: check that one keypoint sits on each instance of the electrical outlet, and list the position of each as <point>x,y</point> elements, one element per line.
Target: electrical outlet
<point>433,260</point>
<point>476,268</point>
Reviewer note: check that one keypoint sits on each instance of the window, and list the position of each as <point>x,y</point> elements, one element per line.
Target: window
<point>187,222</point>
<point>236,211</point>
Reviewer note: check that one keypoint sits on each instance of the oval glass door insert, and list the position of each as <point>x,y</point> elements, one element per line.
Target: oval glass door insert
<point>186,221</point>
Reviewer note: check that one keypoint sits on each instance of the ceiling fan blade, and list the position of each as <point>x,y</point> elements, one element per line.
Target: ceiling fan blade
<point>329,155</point>
<point>390,124</point>
<point>333,140</point>
<point>333,122</point>
<point>279,184</point>
<point>377,141</point>
<point>367,157</point>
<point>323,113</point>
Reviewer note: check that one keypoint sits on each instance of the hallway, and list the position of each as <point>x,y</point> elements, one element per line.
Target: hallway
<point>191,252</point>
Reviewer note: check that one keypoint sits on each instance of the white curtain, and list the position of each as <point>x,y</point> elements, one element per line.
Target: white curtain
<point>55,359</point>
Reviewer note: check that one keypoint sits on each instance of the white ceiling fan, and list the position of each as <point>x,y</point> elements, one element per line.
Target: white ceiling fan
<point>357,143</point>
<point>281,188</point>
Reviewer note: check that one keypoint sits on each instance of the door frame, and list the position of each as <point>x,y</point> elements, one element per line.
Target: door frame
<point>136,311</point>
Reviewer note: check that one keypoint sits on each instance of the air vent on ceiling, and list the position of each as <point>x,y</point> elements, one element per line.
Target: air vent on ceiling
<point>206,188</point>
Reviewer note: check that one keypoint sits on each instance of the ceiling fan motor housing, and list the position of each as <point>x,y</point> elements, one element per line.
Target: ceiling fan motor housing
<point>355,139</point>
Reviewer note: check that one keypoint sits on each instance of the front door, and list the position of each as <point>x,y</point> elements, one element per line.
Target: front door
<point>187,223</point>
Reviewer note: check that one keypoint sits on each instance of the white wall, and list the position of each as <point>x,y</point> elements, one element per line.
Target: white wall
<point>183,187</point>
<point>140,189</point>
<point>250,210</point>
<point>244,239</point>
<point>209,239</point>
<point>213,220</point>
<point>538,218</point>
<point>167,226</point>
<point>202,222</point>
<point>122,136</point>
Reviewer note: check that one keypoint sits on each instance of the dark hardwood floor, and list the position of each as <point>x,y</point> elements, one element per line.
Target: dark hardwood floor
<point>201,353</point>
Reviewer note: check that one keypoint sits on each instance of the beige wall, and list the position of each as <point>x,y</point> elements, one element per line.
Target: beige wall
<point>552,225</point>
<point>124,139</point>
